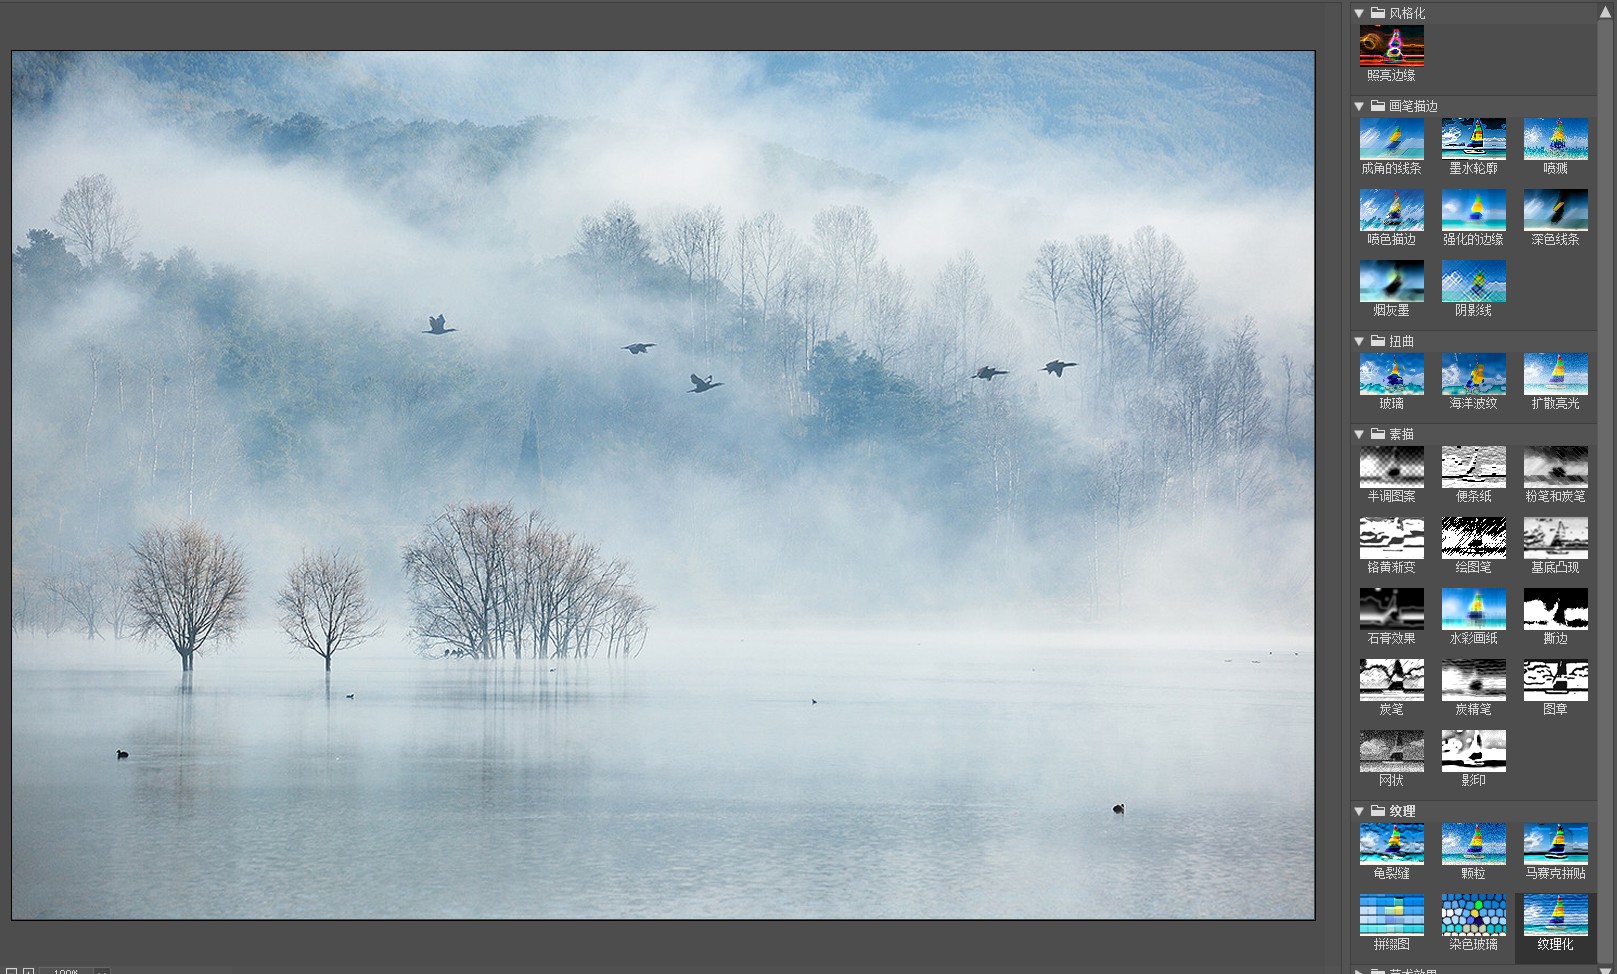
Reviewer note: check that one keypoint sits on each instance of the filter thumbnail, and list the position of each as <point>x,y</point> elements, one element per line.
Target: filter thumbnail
<point>1392,465</point>
<point>1392,608</point>
<point>1403,210</point>
<point>1555,914</point>
<point>1552,680</point>
<point>1565,609</point>
<point>1475,138</point>
<point>1392,679</point>
<point>1392,374</point>
<point>1387,749</point>
<point>1396,843</point>
<point>1473,680</point>
<point>1474,750</point>
<point>1474,844</point>
<point>1476,914</point>
<point>1392,280</point>
<point>1555,209</point>
<point>1473,538</point>
<point>1555,537</point>
<point>1555,466</point>
<point>1394,538</point>
<point>1474,374</point>
<point>1392,45</point>
<point>1474,280</point>
<point>1474,466</point>
<point>1392,137</point>
<point>1555,139</point>
<point>1555,373</point>
<point>1392,915</point>
<point>1474,608</point>
<point>1555,843</point>
<point>1473,209</point>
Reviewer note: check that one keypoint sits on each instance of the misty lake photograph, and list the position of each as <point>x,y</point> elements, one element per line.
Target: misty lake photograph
<point>662,485</point>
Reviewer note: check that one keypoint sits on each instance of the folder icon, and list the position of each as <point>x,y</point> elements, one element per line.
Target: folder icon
<point>1378,811</point>
<point>1377,105</point>
<point>1378,341</point>
<point>1377,434</point>
<point>1378,13</point>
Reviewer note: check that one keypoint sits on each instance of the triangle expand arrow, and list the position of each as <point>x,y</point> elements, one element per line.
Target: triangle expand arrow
<point>1358,106</point>
<point>1358,434</point>
<point>1605,14</point>
<point>1358,809</point>
<point>1358,11</point>
<point>1358,339</point>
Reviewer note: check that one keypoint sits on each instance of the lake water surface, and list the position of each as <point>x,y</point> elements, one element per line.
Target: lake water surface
<point>937,776</point>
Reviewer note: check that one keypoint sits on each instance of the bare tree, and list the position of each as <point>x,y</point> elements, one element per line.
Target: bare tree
<point>93,218</point>
<point>1050,282</point>
<point>323,605</point>
<point>1159,287</point>
<point>962,307</point>
<point>1097,289</point>
<point>846,241</point>
<point>89,589</point>
<point>613,248</point>
<point>1288,394</point>
<point>765,258</point>
<point>681,237</point>
<point>889,308</point>
<point>188,586</point>
<point>1115,496</point>
<point>1238,362</point>
<point>712,265</point>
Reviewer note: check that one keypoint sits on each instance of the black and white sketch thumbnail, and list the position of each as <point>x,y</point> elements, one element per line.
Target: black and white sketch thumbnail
<point>1546,680</point>
<point>1392,608</point>
<point>1392,679</point>
<point>1475,537</point>
<point>1555,537</point>
<point>1555,608</point>
<point>1392,537</point>
<point>1392,465</point>
<point>1387,749</point>
<point>1473,750</point>
<point>1474,466</point>
<point>1555,466</point>
<point>1474,679</point>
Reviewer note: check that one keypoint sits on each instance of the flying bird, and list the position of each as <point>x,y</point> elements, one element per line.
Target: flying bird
<point>437,323</point>
<point>1118,808</point>
<point>988,372</point>
<point>122,754</point>
<point>350,696</point>
<point>702,385</point>
<point>1055,367</point>
<point>639,347</point>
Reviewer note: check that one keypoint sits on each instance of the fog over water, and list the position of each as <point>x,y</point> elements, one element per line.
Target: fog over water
<point>1015,601</point>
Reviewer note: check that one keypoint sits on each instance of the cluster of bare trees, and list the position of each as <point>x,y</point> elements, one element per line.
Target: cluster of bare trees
<point>770,294</point>
<point>485,582</point>
<point>87,594</point>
